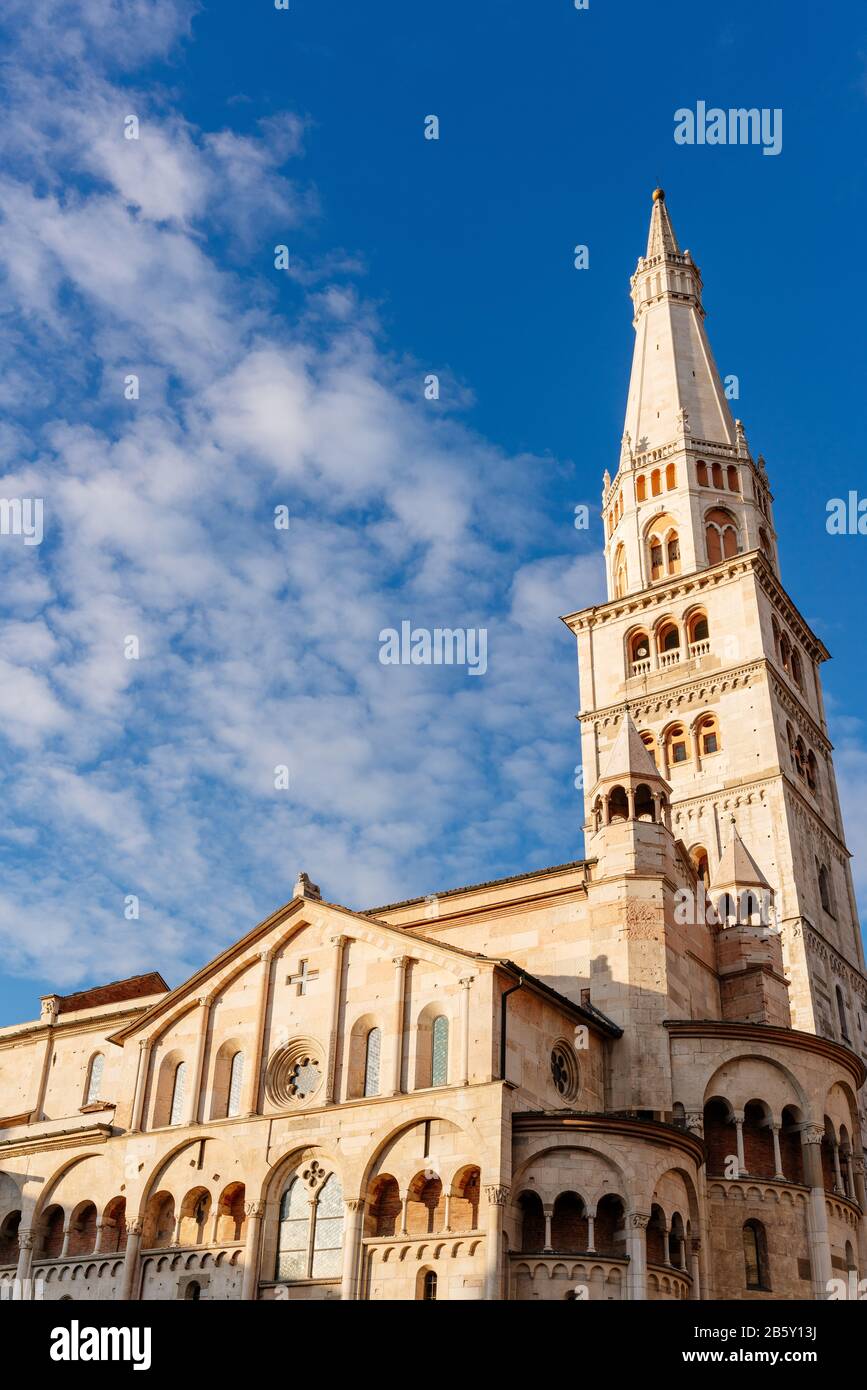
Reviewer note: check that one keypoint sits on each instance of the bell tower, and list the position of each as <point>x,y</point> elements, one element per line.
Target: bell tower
<point>702,643</point>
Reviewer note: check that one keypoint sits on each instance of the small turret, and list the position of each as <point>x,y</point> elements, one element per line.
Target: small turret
<point>630,826</point>
<point>749,953</point>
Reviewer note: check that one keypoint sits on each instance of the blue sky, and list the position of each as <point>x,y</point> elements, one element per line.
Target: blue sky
<point>258,388</point>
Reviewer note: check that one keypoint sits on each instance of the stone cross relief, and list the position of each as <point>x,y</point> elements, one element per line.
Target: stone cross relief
<point>304,977</point>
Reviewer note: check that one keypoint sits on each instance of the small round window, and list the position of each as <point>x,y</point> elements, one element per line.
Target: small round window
<point>564,1071</point>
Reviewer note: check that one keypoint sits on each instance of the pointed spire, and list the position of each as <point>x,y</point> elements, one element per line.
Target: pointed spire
<point>675,387</point>
<point>630,756</point>
<point>661,240</point>
<point>738,868</point>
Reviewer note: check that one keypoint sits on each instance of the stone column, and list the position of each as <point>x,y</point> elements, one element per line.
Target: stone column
<point>64,1249</point>
<point>26,1241</point>
<point>636,1248</point>
<point>838,1176</point>
<point>497,1199</point>
<point>130,1260</point>
<point>739,1140</point>
<point>399,963</point>
<point>199,1062</point>
<point>464,1076</point>
<point>100,1227</point>
<point>254,1212</point>
<point>141,1083</point>
<point>404,1213</point>
<point>254,1080</point>
<point>778,1161</point>
<point>547,1247</point>
<point>857,1167</point>
<point>591,1234</point>
<point>820,1245</point>
<point>338,946</point>
<point>695,1269</point>
<point>353,1226</point>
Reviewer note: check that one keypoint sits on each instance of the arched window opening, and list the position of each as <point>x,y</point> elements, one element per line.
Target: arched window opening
<point>708,735</point>
<point>758,1139</point>
<point>94,1079</point>
<point>236,1081</point>
<point>841,1014</point>
<point>786,653</point>
<point>159,1223</point>
<point>656,564</point>
<point>639,653</point>
<point>440,1051</point>
<point>726,910</point>
<point>776,631</point>
<point>195,1211</point>
<point>641,488</point>
<point>464,1201</point>
<point>732,478</point>
<point>385,1208</point>
<point>698,855</point>
<point>756,1256</point>
<point>231,1213</point>
<point>797,676</point>
<point>765,544</point>
<point>655,483</point>
<point>373,1052</point>
<point>649,742</point>
<point>179,1086</point>
<point>656,1236</point>
<point>791,1153</point>
<point>698,634</point>
<point>669,637</point>
<point>676,746</point>
<point>618,805</point>
<point>82,1230</point>
<point>310,1231</point>
<point>721,536</point>
<point>429,1286</point>
<point>193,1291</point>
<point>532,1223</point>
<point>720,1136</point>
<point>670,477</point>
<point>644,807</point>
<point>677,1242</point>
<point>426,1206</point>
<point>569,1224</point>
<point>825,888</point>
<point>716,474</point>
<point>113,1227</point>
<point>609,1233</point>
<point>701,473</point>
<point>619,570</point>
<point>52,1233</point>
<point>672,553</point>
<point>9,1227</point>
<point>812,771</point>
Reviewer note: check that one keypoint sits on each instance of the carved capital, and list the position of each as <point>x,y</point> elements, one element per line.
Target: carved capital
<point>639,1220</point>
<point>354,1204</point>
<point>134,1226</point>
<point>695,1121</point>
<point>812,1134</point>
<point>696,1246</point>
<point>467,981</point>
<point>254,1209</point>
<point>338,942</point>
<point>26,1239</point>
<point>497,1196</point>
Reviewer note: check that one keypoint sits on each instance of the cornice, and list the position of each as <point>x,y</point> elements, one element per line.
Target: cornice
<point>681,587</point>
<point>30,1032</point>
<point>59,1139</point>
<point>732,675</point>
<point>617,1125</point>
<point>767,1033</point>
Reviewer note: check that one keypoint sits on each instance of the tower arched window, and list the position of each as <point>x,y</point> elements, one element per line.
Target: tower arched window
<point>812,771</point>
<point>717,475</point>
<point>698,856</point>
<point>708,735</point>
<point>796,669</point>
<point>657,569</point>
<point>841,1014</point>
<point>619,572</point>
<point>649,741</point>
<point>756,1256</point>
<point>697,628</point>
<point>701,473</point>
<point>670,477</point>
<point>94,1079</point>
<point>641,488</point>
<point>732,478</point>
<point>721,536</point>
<point>179,1086</point>
<point>639,652</point>
<point>429,1286</point>
<point>825,888</point>
<point>800,757</point>
<point>676,745</point>
<point>655,482</point>
<point>672,553</point>
<point>668,637</point>
<point>236,1081</point>
<point>373,1053</point>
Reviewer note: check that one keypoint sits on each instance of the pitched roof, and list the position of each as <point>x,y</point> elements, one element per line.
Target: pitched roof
<point>738,868</point>
<point>629,756</point>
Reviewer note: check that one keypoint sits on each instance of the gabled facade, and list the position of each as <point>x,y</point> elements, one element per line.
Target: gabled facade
<point>634,1076</point>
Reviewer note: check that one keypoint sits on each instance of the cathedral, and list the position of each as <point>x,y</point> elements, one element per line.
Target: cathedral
<point>633,1076</point>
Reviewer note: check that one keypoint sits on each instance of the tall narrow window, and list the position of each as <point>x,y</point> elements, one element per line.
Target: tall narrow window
<point>176,1113</point>
<point>755,1256</point>
<point>841,1011</point>
<point>293,1231</point>
<point>94,1081</point>
<point>371,1062</point>
<point>236,1080</point>
<point>429,1287</point>
<point>328,1230</point>
<point>440,1052</point>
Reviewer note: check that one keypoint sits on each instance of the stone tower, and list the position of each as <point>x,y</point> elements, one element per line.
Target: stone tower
<point>701,642</point>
